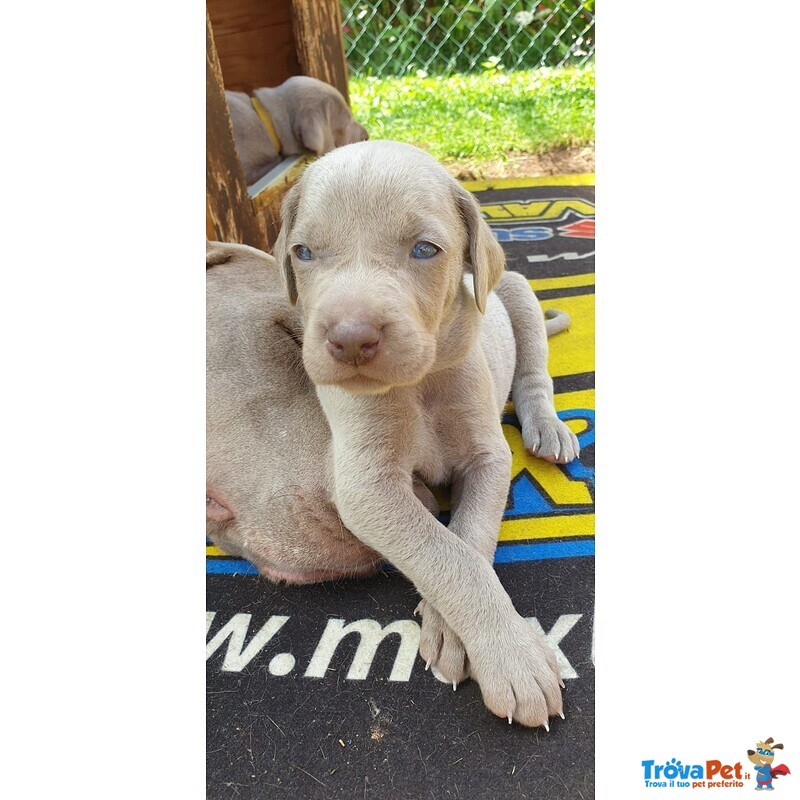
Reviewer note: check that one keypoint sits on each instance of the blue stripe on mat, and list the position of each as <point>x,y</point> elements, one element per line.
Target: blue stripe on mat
<point>515,553</point>
<point>506,554</point>
<point>229,566</point>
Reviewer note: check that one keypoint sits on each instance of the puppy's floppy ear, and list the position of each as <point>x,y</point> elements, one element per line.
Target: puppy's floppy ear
<point>355,133</point>
<point>485,256</point>
<point>281,250</point>
<point>314,129</point>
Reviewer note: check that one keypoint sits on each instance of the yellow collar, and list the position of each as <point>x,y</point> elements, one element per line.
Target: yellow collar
<point>266,121</point>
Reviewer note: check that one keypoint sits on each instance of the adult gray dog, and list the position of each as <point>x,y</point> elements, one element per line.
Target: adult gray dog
<point>301,114</point>
<point>393,266</point>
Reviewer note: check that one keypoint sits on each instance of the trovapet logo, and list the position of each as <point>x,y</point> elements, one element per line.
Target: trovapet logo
<point>717,774</point>
<point>709,774</point>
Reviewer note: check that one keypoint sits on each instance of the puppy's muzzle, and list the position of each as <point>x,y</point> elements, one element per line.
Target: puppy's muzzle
<point>353,342</point>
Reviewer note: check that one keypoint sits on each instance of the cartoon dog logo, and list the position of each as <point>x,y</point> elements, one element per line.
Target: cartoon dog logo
<point>762,757</point>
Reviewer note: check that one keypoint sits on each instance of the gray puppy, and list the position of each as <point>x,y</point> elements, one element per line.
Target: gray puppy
<point>305,114</point>
<point>392,266</point>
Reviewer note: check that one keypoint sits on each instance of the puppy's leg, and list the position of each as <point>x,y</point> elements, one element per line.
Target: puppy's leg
<point>516,669</point>
<point>478,498</point>
<point>425,495</point>
<point>544,434</point>
<point>373,455</point>
<point>438,645</point>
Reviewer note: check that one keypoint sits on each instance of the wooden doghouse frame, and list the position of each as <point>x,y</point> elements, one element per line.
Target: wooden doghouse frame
<point>249,44</point>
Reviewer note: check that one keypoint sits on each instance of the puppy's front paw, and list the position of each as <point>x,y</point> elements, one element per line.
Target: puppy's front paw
<point>440,646</point>
<point>518,675</point>
<point>550,438</point>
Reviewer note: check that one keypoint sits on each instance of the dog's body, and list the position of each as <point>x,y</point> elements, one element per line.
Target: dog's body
<point>393,265</point>
<point>306,114</point>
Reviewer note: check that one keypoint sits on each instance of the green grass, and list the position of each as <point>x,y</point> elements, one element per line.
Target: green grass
<point>480,118</point>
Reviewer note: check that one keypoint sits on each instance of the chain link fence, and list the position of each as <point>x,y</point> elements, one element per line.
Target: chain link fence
<point>447,36</point>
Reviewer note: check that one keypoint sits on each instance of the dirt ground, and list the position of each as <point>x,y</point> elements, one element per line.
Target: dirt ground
<point>556,162</point>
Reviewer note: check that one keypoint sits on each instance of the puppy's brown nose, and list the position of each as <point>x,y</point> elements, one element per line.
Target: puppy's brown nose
<point>353,341</point>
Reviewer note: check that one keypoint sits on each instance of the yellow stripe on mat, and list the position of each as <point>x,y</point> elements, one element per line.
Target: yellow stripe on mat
<point>567,282</point>
<point>585,179</point>
<point>583,398</point>
<point>547,527</point>
<point>572,352</point>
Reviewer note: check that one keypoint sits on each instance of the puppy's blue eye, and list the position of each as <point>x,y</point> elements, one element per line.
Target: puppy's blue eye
<point>303,253</point>
<point>424,250</point>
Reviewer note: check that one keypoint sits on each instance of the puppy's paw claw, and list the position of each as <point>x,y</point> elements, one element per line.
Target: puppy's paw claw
<point>519,673</point>
<point>441,647</point>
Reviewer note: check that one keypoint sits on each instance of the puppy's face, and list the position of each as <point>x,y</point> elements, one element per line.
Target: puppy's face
<point>374,242</point>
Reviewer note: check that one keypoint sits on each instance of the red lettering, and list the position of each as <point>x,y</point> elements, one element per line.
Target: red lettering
<point>583,229</point>
<point>712,768</point>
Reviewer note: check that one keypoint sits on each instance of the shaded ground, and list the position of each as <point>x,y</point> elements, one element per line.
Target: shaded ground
<point>562,161</point>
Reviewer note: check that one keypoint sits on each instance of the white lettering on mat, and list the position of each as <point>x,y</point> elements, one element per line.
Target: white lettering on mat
<point>402,634</point>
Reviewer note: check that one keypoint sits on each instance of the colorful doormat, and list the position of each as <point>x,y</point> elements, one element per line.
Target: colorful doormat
<point>318,691</point>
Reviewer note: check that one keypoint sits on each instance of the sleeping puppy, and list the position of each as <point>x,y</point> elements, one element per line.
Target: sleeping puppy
<point>392,268</point>
<point>303,114</point>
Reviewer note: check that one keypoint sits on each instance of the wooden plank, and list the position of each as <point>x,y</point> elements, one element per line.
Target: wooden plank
<point>270,215</point>
<point>318,38</point>
<point>235,16</point>
<point>254,41</point>
<point>261,57</point>
<point>211,232</point>
<point>228,205</point>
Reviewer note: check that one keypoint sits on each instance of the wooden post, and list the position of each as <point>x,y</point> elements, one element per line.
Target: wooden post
<point>229,210</point>
<point>318,40</point>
